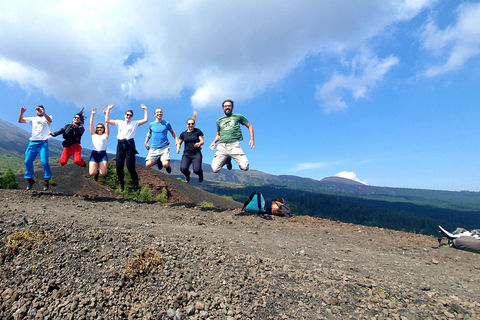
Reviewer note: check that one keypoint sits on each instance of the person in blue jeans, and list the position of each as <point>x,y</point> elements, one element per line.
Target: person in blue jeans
<point>192,154</point>
<point>38,144</point>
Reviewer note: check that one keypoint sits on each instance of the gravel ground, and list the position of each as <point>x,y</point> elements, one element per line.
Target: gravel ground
<point>219,264</point>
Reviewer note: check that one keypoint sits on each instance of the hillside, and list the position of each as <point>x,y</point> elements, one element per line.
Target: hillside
<point>219,265</point>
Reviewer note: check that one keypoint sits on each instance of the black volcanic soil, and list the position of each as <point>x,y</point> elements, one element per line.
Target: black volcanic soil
<point>218,264</point>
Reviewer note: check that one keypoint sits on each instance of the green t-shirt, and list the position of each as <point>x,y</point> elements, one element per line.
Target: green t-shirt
<point>229,127</point>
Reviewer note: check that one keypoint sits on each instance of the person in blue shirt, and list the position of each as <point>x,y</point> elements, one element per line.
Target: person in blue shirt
<point>159,150</point>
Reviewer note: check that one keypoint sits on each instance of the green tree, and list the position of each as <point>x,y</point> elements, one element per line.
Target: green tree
<point>8,181</point>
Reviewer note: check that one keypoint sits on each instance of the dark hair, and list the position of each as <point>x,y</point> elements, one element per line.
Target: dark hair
<point>231,101</point>
<point>129,111</point>
<point>80,114</point>
<point>41,106</point>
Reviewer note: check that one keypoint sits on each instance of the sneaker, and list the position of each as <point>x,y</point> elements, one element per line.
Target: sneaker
<point>135,186</point>
<point>200,177</point>
<point>159,165</point>
<point>229,164</point>
<point>121,185</point>
<point>169,169</point>
<point>84,164</point>
<point>30,183</point>
<point>187,177</point>
<point>46,185</point>
<point>96,177</point>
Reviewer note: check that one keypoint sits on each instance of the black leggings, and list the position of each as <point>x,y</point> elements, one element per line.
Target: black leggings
<point>126,152</point>
<point>189,158</point>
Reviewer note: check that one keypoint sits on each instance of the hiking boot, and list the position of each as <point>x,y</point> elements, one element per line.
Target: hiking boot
<point>229,164</point>
<point>169,169</point>
<point>187,177</point>
<point>135,186</point>
<point>30,183</point>
<point>46,185</point>
<point>95,177</point>
<point>84,164</point>
<point>200,177</point>
<point>121,185</point>
<point>159,165</point>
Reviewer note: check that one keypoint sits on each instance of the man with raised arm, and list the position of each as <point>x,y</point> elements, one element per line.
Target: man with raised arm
<point>229,135</point>
<point>38,145</point>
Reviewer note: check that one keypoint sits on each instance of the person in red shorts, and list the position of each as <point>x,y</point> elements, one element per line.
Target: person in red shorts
<point>72,135</point>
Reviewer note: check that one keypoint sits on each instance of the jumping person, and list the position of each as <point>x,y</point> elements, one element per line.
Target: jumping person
<point>159,151</point>
<point>192,154</point>
<point>72,135</point>
<point>229,135</point>
<point>126,149</point>
<point>38,145</point>
<point>98,158</point>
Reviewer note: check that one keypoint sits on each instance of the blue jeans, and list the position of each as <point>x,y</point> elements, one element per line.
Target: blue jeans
<point>34,148</point>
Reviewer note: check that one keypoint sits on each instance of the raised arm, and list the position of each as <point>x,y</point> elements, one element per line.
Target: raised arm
<point>92,128</point>
<point>107,115</point>
<point>252,137</point>
<point>145,117</point>
<point>107,126</point>
<point>20,117</point>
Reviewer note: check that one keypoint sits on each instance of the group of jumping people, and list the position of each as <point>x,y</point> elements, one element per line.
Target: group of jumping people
<point>229,135</point>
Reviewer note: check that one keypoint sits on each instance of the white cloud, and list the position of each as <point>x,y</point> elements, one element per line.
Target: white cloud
<point>455,44</point>
<point>351,176</point>
<point>308,166</point>
<point>366,72</point>
<point>96,52</point>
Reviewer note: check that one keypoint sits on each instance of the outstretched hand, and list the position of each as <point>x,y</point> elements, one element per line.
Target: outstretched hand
<point>144,107</point>
<point>110,106</point>
<point>94,110</point>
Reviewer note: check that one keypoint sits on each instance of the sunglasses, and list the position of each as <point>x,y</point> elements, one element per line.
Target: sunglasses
<point>129,115</point>
<point>190,124</point>
<point>100,128</point>
<point>76,117</point>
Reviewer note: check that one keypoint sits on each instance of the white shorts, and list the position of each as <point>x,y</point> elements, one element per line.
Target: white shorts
<point>155,154</point>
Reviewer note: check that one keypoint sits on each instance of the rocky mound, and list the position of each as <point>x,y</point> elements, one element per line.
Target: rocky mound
<point>72,179</point>
<point>218,265</point>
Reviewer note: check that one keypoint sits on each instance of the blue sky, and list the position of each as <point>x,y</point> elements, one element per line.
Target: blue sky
<point>382,92</point>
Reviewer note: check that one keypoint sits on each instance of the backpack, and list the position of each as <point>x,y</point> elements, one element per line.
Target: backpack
<point>256,203</point>
<point>279,208</point>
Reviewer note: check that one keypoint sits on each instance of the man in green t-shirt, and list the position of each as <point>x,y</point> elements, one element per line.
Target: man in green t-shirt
<point>229,135</point>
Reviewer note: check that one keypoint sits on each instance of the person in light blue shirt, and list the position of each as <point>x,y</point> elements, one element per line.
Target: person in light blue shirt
<point>159,150</point>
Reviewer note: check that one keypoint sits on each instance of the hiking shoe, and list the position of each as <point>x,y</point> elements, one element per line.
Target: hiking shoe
<point>229,164</point>
<point>121,185</point>
<point>135,186</point>
<point>200,177</point>
<point>169,169</point>
<point>30,183</point>
<point>84,164</point>
<point>159,165</point>
<point>187,177</point>
<point>96,177</point>
<point>46,185</point>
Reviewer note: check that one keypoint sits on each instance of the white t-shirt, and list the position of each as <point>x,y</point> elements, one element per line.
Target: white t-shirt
<point>99,142</point>
<point>126,130</point>
<point>40,128</point>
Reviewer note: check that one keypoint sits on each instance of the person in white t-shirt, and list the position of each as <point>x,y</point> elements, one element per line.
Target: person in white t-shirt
<point>98,158</point>
<point>38,145</point>
<point>126,149</point>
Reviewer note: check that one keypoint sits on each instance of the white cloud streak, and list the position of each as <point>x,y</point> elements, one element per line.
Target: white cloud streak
<point>77,51</point>
<point>458,43</point>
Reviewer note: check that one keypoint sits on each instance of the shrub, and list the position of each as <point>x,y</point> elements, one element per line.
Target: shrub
<point>162,196</point>
<point>145,193</point>
<point>8,181</point>
<point>142,262</point>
